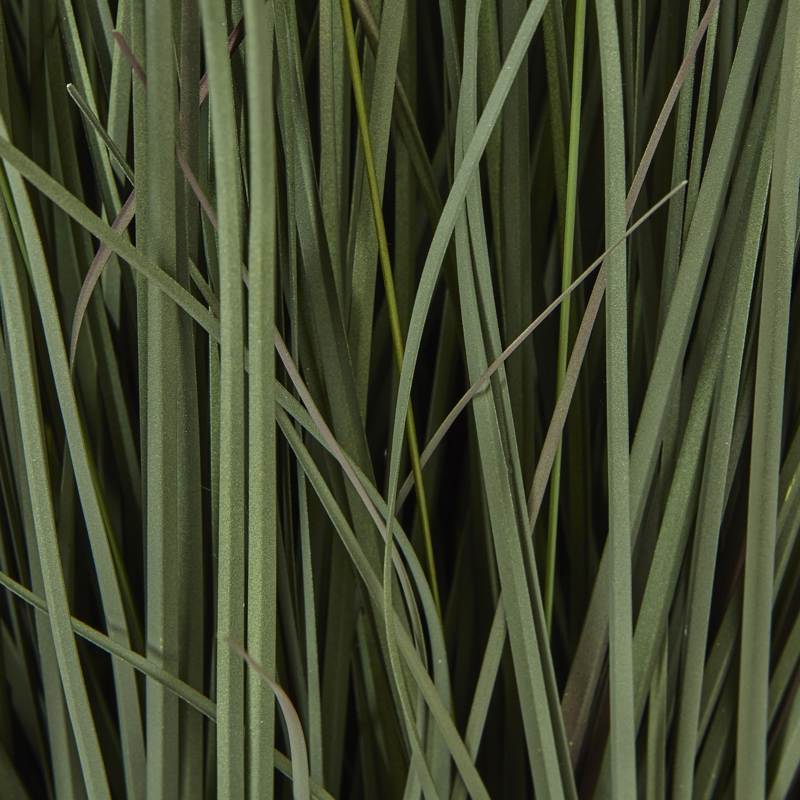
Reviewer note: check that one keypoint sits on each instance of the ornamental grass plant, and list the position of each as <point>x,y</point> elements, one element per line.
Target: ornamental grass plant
<point>399,399</point>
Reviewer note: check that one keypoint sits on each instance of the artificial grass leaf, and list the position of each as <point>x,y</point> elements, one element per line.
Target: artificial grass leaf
<point>166,475</point>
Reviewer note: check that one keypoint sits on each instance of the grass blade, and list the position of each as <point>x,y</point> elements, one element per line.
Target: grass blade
<point>262,477</point>
<point>231,591</point>
<point>767,419</point>
<point>623,732</point>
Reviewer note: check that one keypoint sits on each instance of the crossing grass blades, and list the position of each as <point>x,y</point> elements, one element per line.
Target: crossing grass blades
<point>399,399</point>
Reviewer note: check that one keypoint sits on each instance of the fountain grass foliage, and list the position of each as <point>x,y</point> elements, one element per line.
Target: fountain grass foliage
<point>399,399</point>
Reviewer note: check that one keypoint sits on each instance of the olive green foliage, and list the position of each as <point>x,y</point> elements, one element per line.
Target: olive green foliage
<point>399,399</point>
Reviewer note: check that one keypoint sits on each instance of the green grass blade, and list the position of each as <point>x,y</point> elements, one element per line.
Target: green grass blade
<point>712,497</point>
<point>445,228</point>
<point>374,144</point>
<point>767,418</point>
<point>301,789</point>
<point>110,572</point>
<point>158,240</point>
<point>566,278</point>
<point>440,714</point>
<point>22,364</point>
<point>180,689</point>
<point>191,487</point>
<point>386,267</point>
<point>117,243</point>
<point>231,589</point>
<point>644,449</point>
<point>623,732</point>
<point>334,128</point>
<point>262,480</point>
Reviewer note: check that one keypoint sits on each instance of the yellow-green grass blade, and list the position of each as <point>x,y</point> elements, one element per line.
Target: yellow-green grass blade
<point>385,260</point>
<point>364,257</point>
<point>374,149</point>
<point>568,250</point>
<point>444,231</point>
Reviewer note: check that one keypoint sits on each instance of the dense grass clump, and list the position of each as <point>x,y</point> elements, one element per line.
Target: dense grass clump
<point>399,399</point>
